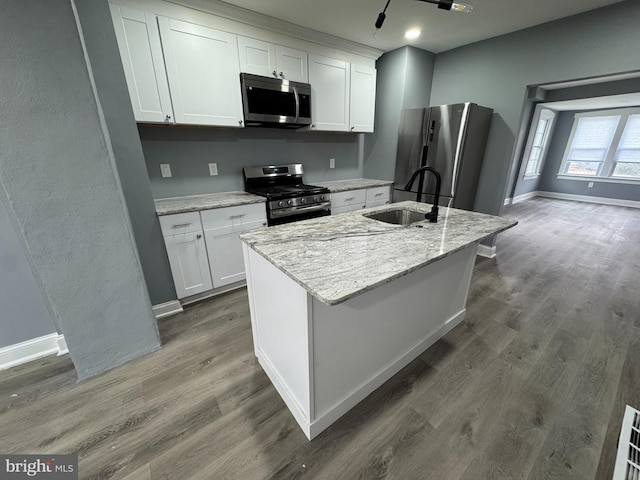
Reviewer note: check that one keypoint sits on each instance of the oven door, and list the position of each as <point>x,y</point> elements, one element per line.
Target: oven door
<point>294,214</point>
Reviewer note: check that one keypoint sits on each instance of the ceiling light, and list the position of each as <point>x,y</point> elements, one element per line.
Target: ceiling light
<point>412,34</point>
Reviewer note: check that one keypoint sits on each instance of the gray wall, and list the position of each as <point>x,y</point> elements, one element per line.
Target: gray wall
<point>61,185</point>
<point>496,73</point>
<point>24,311</point>
<point>404,81</point>
<point>102,49</point>
<point>550,183</point>
<point>190,150</point>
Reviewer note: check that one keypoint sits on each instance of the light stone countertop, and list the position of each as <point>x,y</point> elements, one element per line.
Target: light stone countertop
<point>338,257</point>
<point>353,184</point>
<point>208,201</point>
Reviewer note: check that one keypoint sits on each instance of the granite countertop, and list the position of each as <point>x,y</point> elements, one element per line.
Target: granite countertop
<point>336,258</point>
<point>195,203</point>
<point>354,184</point>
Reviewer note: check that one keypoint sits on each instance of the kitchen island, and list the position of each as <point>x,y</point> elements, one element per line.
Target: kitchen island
<point>340,304</point>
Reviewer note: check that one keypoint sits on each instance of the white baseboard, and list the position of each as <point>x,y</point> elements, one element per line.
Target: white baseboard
<point>524,196</point>
<point>30,350</point>
<point>486,251</point>
<point>62,345</point>
<point>166,309</point>
<point>589,199</point>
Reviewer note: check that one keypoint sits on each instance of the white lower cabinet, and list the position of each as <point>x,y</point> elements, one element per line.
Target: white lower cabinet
<point>222,229</point>
<point>204,248</point>
<point>351,200</point>
<point>187,253</point>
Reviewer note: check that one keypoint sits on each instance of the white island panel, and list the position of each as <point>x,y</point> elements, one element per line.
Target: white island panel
<point>361,343</point>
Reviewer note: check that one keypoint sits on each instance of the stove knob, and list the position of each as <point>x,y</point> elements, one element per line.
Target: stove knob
<point>303,200</point>
<point>315,199</point>
<point>281,204</point>
<point>323,198</point>
<point>289,202</point>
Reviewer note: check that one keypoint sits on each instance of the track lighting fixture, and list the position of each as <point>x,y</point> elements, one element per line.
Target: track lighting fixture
<point>442,4</point>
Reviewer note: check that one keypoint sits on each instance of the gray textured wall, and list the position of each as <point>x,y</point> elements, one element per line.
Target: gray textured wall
<point>111,86</point>
<point>61,185</point>
<point>550,183</point>
<point>24,311</point>
<point>496,72</point>
<point>404,81</point>
<point>190,150</point>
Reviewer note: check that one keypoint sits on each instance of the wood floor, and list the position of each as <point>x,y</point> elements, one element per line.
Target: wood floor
<point>531,386</point>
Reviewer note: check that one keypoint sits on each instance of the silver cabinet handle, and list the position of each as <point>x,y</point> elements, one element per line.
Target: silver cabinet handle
<point>198,236</point>
<point>352,128</point>
<point>349,199</point>
<point>240,122</point>
<point>167,118</point>
<point>180,225</point>
<point>235,217</point>
<point>264,224</point>
<point>275,74</point>
<point>281,75</point>
<point>378,194</point>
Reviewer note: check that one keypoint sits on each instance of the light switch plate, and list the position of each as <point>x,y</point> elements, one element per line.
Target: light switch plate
<point>213,169</point>
<point>332,163</point>
<point>165,168</point>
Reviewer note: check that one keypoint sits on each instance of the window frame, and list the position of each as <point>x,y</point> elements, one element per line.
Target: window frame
<point>542,113</point>
<point>608,163</point>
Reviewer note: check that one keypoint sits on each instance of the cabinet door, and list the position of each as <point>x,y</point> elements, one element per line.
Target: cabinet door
<point>292,64</point>
<point>189,265</point>
<point>329,80</point>
<point>362,104</point>
<point>347,208</point>
<point>378,196</point>
<point>257,57</point>
<point>204,73</point>
<point>225,252</point>
<point>141,54</point>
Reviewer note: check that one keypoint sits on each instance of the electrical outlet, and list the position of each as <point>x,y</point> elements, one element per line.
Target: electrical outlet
<point>332,163</point>
<point>165,169</point>
<point>590,185</point>
<point>213,169</point>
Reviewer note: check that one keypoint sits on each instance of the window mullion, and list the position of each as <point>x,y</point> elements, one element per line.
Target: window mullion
<point>609,163</point>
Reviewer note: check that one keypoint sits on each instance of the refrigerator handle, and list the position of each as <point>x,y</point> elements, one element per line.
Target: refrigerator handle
<point>423,163</point>
<point>432,131</point>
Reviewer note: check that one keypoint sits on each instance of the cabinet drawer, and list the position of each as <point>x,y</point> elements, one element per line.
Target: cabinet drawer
<point>377,195</point>
<point>229,216</point>
<point>180,223</point>
<point>351,197</point>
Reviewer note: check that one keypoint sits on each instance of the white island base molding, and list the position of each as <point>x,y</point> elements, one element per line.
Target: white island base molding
<point>323,360</point>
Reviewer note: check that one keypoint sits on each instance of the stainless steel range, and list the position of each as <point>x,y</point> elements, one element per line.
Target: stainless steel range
<point>288,198</point>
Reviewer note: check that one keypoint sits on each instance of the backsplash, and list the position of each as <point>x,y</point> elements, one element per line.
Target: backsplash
<point>189,150</point>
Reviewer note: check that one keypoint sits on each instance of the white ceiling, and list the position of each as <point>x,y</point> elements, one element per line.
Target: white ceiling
<point>441,30</point>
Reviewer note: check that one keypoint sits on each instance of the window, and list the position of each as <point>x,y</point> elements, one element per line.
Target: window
<point>538,143</point>
<point>604,145</point>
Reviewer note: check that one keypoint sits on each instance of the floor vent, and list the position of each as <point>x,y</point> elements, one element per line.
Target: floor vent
<point>628,458</point>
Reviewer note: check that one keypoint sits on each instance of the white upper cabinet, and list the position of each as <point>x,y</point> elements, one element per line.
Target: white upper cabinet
<point>141,53</point>
<point>204,73</point>
<point>329,80</point>
<point>269,60</point>
<point>362,103</point>
<point>292,64</point>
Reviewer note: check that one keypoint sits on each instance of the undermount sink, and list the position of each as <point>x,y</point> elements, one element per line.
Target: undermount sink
<point>399,216</point>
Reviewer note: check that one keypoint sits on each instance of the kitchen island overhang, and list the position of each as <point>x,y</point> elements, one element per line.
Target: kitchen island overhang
<point>340,304</point>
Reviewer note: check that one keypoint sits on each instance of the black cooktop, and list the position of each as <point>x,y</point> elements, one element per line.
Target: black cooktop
<point>287,191</point>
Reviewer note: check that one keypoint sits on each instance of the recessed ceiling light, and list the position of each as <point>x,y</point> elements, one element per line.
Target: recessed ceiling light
<point>412,34</point>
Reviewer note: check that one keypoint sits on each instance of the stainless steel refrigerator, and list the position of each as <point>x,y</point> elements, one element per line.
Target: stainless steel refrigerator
<point>449,138</point>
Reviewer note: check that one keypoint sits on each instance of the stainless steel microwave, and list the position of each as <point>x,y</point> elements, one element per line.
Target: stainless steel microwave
<point>275,102</point>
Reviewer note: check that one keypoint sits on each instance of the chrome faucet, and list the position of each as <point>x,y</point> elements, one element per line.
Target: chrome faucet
<point>432,216</point>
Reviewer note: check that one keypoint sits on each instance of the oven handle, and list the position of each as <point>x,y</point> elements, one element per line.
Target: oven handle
<point>294,210</point>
